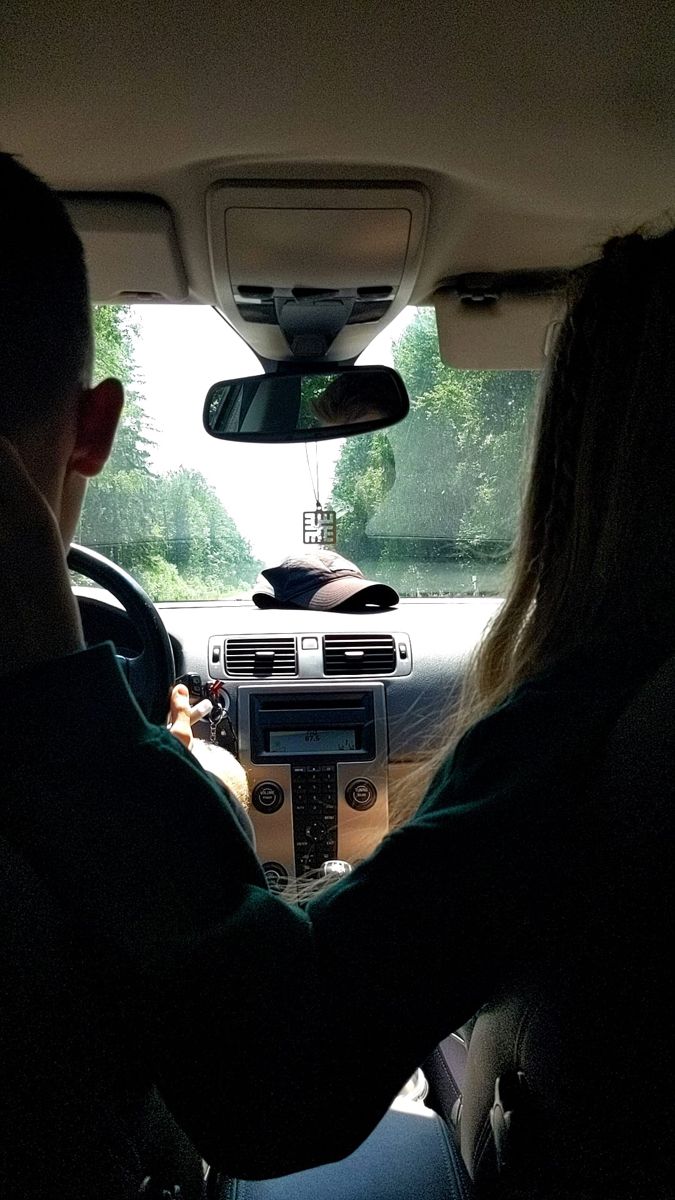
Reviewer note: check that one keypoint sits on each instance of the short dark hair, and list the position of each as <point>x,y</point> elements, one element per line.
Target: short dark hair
<point>343,399</point>
<point>45,319</point>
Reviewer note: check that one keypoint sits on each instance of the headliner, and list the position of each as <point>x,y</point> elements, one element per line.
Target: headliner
<point>539,129</point>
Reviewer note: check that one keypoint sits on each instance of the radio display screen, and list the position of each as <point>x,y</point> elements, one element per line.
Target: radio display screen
<point>311,741</point>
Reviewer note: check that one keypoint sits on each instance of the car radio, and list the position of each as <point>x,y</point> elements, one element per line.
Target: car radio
<point>316,758</point>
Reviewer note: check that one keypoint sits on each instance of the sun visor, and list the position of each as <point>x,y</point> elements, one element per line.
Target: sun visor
<point>507,332</point>
<point>130,247</point>
<point>314,269</point>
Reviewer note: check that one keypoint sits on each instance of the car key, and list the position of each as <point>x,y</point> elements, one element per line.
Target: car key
<point>214,718</point>
<point>226,737</point>
<point>221,732</point>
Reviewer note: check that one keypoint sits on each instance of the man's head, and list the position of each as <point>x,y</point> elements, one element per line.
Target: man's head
<point>342,401</point>
<point>61,426</point>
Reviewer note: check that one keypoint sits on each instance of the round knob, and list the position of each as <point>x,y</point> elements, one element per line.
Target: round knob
<point>360,794</point>
<point>276,876</point>
<point>268,796</point>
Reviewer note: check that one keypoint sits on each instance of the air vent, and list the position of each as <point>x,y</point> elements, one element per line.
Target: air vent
<point>359,654</point>
<point>250,292</point>
<point>376,293</point>
<point>260,658</point>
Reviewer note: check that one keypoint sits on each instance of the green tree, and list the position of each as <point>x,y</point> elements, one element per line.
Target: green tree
<point>199,536</point>
<point>364,473</point>
<point>116,517</point>
<point>114,334</point>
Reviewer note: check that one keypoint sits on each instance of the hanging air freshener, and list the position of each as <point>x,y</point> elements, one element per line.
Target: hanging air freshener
<point>319,527</point>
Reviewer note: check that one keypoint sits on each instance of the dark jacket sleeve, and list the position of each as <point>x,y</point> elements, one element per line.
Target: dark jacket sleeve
<point>278,1037</point>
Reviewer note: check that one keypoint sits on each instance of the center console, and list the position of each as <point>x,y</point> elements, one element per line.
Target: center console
<point>316,758</point>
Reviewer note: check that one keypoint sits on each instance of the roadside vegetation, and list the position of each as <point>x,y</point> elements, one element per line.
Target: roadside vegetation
<point>429,505</point>
<point>169,530</point>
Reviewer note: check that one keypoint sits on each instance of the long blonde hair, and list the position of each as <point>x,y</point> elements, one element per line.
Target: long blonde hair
<point>596,542</point>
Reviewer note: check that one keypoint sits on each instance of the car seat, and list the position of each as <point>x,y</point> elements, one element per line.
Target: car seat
<point>567,1078</point>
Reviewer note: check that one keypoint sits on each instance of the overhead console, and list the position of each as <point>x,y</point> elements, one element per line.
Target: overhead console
<point>314,270</point>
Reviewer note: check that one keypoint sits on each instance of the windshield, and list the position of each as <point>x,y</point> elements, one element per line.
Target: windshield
<point>428,506</point>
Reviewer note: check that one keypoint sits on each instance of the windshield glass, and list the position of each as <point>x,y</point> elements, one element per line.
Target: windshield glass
<point>428,506</point>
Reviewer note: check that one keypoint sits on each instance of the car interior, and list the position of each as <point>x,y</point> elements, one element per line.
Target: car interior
<point>285,192</point>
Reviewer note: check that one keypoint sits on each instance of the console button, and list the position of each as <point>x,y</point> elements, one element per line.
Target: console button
<point>315,831</point>
<point>267,797</point>
<point>360,794</point>
<point>276,876</point>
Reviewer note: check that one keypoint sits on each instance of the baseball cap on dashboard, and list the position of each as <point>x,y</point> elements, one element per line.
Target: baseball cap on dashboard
<point>323,580</point>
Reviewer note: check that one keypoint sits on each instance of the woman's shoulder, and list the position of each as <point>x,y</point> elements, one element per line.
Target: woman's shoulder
<point>549,724</point>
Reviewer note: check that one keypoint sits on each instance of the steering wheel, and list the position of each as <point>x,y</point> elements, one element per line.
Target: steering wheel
<point>151,673</point>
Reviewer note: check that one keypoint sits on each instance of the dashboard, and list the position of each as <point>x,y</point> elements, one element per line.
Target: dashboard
<point>328,712</point>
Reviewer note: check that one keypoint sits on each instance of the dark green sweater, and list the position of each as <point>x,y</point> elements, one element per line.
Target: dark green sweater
<point>278,1037</point>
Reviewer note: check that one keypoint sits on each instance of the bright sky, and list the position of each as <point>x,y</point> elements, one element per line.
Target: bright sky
<point>181,351</point>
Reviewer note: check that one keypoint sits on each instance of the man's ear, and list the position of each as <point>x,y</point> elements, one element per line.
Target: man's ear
<point>98,415</point>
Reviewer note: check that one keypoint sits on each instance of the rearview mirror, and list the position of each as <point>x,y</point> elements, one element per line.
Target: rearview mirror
<point>305,406</point>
